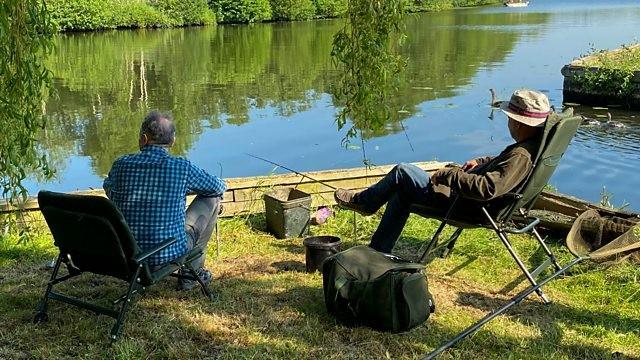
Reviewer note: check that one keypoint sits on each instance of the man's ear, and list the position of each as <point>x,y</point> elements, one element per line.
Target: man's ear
<point>143,141</point>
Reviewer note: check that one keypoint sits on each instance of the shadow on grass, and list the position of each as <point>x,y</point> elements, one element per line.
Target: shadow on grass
<point>289,266</point>
<point>548,319</point>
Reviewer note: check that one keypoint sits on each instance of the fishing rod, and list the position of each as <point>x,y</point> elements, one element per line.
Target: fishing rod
<point>293,171</point>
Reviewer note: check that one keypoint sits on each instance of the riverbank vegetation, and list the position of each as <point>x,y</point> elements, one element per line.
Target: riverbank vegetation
<point>84,15</point>
<point>610,72</point>
<point>269,308</point>
<point>26,33</point>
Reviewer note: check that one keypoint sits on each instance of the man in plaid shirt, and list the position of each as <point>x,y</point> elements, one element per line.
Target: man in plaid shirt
<point>150,189</point>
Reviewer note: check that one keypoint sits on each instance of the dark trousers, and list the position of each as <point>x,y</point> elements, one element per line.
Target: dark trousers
<point>404,185</point>
<point>200,220</point>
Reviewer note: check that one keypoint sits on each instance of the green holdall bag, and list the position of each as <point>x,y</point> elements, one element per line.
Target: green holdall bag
<point>366,287</point>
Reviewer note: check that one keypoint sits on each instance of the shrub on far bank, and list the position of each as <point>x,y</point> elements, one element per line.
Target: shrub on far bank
<point>464,3</point>
<point>80,15</point>
<point>185,12</point>
<point>437,5</point>
<point>293,9</point>
<point>241,11</point>
<point>331,8</point>
<point>126,14</point>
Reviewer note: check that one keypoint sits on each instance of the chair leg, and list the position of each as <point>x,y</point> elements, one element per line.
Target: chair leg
<point>505,240</point>
<point>41,314</point>
<point>115,331</point>
<point>432,243</point>
<point>451,243</point>
<point>203,286</point>
<point>546,249</point>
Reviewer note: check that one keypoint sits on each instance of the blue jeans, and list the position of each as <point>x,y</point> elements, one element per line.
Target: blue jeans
<point>404,185</point>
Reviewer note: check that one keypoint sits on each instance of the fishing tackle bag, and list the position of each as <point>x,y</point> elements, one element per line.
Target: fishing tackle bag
<point>385,292</point>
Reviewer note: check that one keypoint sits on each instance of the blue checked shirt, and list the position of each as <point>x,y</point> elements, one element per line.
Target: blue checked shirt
<point>150,189</point>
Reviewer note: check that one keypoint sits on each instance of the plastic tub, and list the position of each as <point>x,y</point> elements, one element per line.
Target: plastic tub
<point>287,212</point>
<point>318,248</point>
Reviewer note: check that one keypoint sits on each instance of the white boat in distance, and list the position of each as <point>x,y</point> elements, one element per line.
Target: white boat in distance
<point>516,3</point>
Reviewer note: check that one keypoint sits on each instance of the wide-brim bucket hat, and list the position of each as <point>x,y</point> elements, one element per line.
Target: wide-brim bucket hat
<point>528,107</point>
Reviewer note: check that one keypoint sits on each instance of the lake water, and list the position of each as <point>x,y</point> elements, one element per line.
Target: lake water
<point>266,89</point>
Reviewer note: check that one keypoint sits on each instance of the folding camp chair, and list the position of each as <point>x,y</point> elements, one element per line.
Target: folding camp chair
<point>93,237</point>
<point>499,214</point>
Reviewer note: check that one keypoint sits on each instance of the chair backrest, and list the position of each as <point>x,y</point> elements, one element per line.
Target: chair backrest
<point>558,132</point>
<point>91,232</point>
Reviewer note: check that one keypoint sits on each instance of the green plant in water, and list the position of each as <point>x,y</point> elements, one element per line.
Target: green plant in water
<point>606,198</point>
<point>611,72</point>
<point>26,33</point>
<point>364,52</point>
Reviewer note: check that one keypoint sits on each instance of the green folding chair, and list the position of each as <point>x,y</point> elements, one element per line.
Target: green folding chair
<point>93,236</point>
<point>499,214</point>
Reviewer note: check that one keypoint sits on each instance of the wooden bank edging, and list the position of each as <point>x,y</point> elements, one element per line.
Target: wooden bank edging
<point>572,91</point>
<point>244,195</point>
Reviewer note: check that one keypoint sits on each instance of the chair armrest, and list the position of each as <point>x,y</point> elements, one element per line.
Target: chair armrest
<point>142,257</point>
<point>525,229</point>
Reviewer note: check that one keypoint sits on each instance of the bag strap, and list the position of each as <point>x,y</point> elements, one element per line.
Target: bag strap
<point>407,266</point>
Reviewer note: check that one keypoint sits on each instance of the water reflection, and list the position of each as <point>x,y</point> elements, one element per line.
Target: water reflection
<point>213,76</point>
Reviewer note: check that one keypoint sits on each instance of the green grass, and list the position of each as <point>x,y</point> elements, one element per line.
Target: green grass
<point>269,308</point>
<point>627,57</point>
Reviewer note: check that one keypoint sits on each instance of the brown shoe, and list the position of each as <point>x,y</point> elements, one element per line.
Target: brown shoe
<point>345,199</point>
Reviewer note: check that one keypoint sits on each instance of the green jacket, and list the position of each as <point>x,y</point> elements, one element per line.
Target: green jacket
<point>492,178</point>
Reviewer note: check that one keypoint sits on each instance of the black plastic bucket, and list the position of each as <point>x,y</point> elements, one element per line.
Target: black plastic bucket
<point>318,248</point>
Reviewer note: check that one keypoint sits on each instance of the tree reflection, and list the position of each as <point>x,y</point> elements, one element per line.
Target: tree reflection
<point>214,76</point>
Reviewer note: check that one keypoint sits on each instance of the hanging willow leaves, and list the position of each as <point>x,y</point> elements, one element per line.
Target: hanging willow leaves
<point>26,33</point>
<point>364,51</point>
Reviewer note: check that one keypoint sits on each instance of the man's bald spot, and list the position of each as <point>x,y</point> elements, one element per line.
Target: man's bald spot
<point>158,128</point>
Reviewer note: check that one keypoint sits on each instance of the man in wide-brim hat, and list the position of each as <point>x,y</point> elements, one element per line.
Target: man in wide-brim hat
<point>477,182</point>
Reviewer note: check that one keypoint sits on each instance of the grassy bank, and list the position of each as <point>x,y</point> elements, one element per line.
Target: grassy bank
<point>612,72</point>
<point>83,15</point>
<point>268,308</point>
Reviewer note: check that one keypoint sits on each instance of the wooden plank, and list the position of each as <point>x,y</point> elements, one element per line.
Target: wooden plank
<point>309,188</point>
<point>282,180</point>
<point>324,176</point>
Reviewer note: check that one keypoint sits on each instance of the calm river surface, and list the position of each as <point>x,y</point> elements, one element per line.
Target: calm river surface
<point>266,89</point>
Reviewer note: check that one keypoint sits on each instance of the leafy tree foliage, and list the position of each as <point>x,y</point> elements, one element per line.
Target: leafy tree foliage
<point>365,52</point>
<point>25,41</point>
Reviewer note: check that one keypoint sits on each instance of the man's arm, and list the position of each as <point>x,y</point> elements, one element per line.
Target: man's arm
<point>203,183</point>
<point>107,185</point>
<point>507,175</point>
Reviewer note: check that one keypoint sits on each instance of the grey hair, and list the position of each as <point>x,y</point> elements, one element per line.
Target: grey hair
<point>159,132</point>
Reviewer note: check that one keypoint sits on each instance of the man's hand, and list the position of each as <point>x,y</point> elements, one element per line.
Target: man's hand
<point>469,165</point>
<point>433,178</point>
